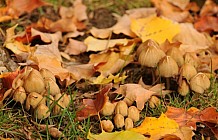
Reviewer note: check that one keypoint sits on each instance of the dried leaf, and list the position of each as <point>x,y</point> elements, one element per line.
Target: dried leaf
<point>183,117</point>
<point>135,92</point>
<point>109,62</point>
<point>75,47</point>
<point>121,135</point>
<point>207,24</point>
<point>180,3</point>
<point>160,127</point>
<point>156,28</point>
<point>101,79</point>
<point>92,107</point>
<point>94,44</point>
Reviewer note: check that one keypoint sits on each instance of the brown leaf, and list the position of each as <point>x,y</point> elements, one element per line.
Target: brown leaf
<point>135,92</point>
<point>209,8</point>
<point>209,115</point>
<point>183,117</point>
<point>75,47</point>
<point>92,107</point>
<point>207,24</point>
<point>7,78</point>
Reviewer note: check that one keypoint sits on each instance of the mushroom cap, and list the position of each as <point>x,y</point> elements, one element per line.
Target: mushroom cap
<point>199,83</point>
<point>183,88</point>
<point>177,55</point>
<point>167,67</point>
<point>150,55</point>
<point>145,44</point>
<point>188,71</point>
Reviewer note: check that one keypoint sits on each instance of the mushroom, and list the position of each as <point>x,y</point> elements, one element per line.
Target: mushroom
<point>119,121</point>
<point>19,95</point>
<point>121,108</point>
<point>183,88</point>
<point>107,125</point>
<point>199,83</point>
<point>47,74</point>
<point>154,101</point>
<point>42,112</point>
<point>167,67</point>
<point>58,104</point>
<point>133,113</point>
<point>177,55</point>
<point>187,71</point>
<point>128,123</point>
<point>34,99</point>
<point>108,109</point>
<point>51,86</point>
<point>150,55</point>
<point>34,82</point>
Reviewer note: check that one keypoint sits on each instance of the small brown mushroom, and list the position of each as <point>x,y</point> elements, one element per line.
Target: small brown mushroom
<point>42,112</point>
<point>51,86</point>
<point>119,120</point>
<point>128,123</point>
<point>34,82</point>
<point>183,88</point>
<point>154,102</point>
<point>177,55</point>
<point>47,74</point>
<point>121,108</point>
<point>150,55</point>
<point>199,83</point>
<point>34,99</point>
<point>108,109</point>
<point>167,67</point>
<point>20,95</point>
<point>133,113</point>
<point>107,125</point>
<point>187,71</point>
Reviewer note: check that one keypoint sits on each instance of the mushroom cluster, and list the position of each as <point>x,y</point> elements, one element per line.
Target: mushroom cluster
<point>188,69</point>
<point>123,116</point>
<point>38,91</point>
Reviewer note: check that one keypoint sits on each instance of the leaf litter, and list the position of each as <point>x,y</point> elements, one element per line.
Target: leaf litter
<point>57,45</point>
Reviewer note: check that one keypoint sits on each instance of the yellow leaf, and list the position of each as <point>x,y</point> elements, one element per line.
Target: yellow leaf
<point>161,127</point>
<point>105,80</point>
<point>94,44</point>
<point>156,28</point>
<point>122,135</point>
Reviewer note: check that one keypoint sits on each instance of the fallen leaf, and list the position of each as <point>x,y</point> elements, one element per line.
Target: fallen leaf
<point>75,47</point>
<point>94,44</point>
<point>191,39</point>
<point>158,128</point>
<point>181,4</point>
<point>168,10</point>
<point>135,92</point>
<point>210,115</point>
<point>92,107</point>
<point>8,77</point>
<point>183,117</point>
<point>80,10</point>
<point>101,79</point>
<point>141,12</point>
<point>110,62</point>
<point>207,24</point>
<point>121,135</point>
<point>156,28</point>
<point>15,8</point>
<point>209,8</point>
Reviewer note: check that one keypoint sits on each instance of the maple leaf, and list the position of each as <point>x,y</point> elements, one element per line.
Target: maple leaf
<point>93,107</point>
<point>161,127</point>
<point>183,117</point>
<point>121,135</point>
<point>156,28</point>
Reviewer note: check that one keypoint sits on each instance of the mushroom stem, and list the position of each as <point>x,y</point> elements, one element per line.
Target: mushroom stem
<point>153,75</point>
<point>167,82</point>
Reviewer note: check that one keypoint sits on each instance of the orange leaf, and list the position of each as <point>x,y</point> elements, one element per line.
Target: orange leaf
<point>207,23</point>
<point>183,117</point>
<point>209,115</point>
<point>92,107</point>
<point>7,78</point>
